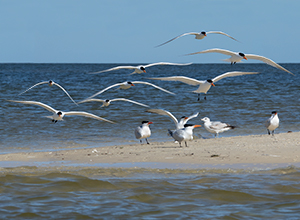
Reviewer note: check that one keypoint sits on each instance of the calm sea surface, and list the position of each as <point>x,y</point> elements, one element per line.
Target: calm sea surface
<point>45,192</point>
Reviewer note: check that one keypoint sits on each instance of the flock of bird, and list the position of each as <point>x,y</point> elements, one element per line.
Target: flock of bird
<point>183,131</point>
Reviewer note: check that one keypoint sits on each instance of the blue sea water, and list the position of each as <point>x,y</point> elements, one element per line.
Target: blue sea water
<point>45,192</point>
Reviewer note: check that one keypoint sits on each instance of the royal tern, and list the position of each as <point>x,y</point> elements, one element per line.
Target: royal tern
<point>180,124</point>
<point>272,123</point>
<point>237,57</point>
<point>141,68</point>
<point>184,134</point>
<point>216,127</point>
<point>198,35</point>
<point>204,85</point>
<point>50,83</point>
<point>143,131</point>
<point>58,115</point>
<point>127,85</point>
<point>107,102</point>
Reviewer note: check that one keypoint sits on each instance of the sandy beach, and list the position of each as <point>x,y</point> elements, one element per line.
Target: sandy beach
<point>282,148</point>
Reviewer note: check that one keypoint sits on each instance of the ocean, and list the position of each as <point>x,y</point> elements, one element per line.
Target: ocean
<point>43,192</point>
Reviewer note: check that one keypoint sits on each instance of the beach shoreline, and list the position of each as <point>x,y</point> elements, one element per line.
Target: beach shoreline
<point>225,152</point>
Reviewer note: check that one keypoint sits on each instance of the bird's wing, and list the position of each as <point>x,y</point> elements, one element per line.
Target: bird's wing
<point>166,63</point>
<point>65,92</point>
<point>92,100</point>
<point>214,50</point>
<point>164,112</point>
<point>229,74</point>
<point>128,100</point>
<point>218,125</point>
<point>267,61</point>
<point>190,33</point>
<point>89,115</point>
<point>183,79</point>
<point>98,93</point>
<point>220,32</point>
<point>34,86</point>
<point>114,68</point>
<point>35,103</point>
<point>150,84</point>
<point>192,116</point>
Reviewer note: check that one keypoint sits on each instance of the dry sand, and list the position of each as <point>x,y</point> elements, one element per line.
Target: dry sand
<point>280,149</point>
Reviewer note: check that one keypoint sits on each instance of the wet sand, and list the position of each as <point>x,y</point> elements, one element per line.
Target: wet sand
<point>235,151</point>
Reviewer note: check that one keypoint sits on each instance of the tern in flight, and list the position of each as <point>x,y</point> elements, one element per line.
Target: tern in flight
<point>143,131</point>
<point>204,85</point>
<point>180,124</point>
<point>198,35</point>
<point>272,123</point>
<point>184,134</point>
<point>50,83</point>
<point>58,115</point>
<point>238,56</point>
<point>127,85</point>
<point>141,68</point>
<point>107,102</point>
<point>216,127</point>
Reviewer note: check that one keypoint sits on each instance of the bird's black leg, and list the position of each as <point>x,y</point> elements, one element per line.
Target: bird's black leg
<point>231,63</point>
<point>273,132</point>
<point>140,140</point>
<point>234,62</point>
<point>268,131</point>
<point>198,96</point>
<point>147,141</point>
<point>186,144</point>
<point>55,121</point>
<point>205,97</point>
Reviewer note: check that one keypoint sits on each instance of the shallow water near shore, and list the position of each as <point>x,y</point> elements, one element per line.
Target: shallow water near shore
<point>93,193</point>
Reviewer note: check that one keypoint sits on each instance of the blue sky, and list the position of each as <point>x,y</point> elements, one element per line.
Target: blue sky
<point>127,31</point>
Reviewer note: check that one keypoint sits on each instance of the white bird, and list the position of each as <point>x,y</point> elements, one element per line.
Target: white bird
<point>204,85</point>
<point>216,127</point>
<point>50,83</point>
<point>179,124</point>
<point>141,68</point>
<point>184,134</point>
<point>272,123</point>
<point>198,35</point>
<point>237,57</point>
<point>107,102</point>
<point>127,85</point>
<point>58,115</point>
<point>143,131</point>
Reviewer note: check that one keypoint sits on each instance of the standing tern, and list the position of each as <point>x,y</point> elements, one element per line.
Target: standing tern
<point>127,85</point>
<point>58,115</point>
<point>216,127</point>
<point>107,102</point>
<point>179,124</point>
<point>272,123</point>
<point>50,83</point>
<point>141,68</point>
<point>204,85</point>
<point>198,35</point>
<point>143,131</point>
<point>184,134</point>
<point>237,57</point>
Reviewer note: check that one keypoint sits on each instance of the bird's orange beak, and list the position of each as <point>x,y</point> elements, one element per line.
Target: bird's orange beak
<point>150,122</point>
<point>144,71</point>
<point>205,35</point>
<point>245,58</point>
<point>212,84</point>
<point>197,126</point>
<point>186,117</point>
<point>132,84</point>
